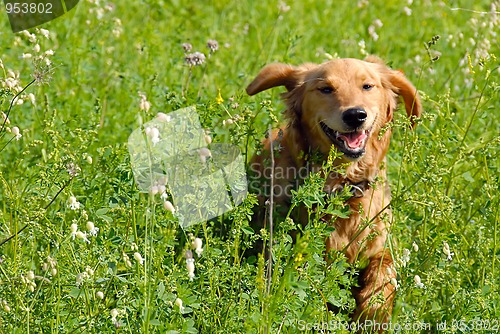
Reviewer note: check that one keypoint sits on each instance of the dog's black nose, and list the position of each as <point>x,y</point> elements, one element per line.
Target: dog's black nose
<point>354,117</point>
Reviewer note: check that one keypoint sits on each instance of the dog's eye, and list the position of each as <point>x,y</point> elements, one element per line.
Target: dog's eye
<point>367,87</point>
<point>326,90</point>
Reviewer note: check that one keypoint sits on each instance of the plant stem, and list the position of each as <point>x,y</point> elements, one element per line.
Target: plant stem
<point>11,139</point>
<point>45,208</point>
<point>12,103</point>
<point>270,215</point>
<point>466,132</point>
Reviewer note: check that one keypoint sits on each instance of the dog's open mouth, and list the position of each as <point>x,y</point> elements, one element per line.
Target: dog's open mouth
<point>352,144</point>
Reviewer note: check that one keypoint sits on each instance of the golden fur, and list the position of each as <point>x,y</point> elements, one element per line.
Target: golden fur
<point>318,100</point>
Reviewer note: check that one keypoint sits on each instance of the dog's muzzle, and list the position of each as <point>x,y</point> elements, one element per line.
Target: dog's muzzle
<point>352,144</point>
<point>355,117</point>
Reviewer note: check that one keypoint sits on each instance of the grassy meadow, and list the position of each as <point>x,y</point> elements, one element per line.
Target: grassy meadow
<point>83,250</point>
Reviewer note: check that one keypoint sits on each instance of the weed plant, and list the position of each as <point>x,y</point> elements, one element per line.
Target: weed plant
<point>82,250</point>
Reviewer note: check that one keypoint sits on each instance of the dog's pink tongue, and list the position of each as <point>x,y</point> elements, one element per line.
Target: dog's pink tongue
<point>354,139</point>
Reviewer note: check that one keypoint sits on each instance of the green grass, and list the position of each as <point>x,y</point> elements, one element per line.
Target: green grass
<point>444,176</point>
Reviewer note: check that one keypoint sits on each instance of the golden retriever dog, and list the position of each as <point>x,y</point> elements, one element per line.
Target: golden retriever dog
<point>346,103</point>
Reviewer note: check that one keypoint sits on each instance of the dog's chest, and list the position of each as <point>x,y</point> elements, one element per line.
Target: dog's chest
<point>364,232</point>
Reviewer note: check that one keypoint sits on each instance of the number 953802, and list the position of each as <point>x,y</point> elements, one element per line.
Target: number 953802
<point>28,8</point>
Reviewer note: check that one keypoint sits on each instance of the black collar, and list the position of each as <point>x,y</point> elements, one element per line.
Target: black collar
<point>357,189</point>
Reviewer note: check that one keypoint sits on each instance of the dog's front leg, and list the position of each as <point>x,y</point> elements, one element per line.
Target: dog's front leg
<point>375,295</point>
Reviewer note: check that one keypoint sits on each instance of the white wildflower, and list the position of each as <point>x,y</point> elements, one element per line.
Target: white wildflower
<point>187,47</point>
<point>197,244</point>
<point>126,259</point>
<point>83,236</point>
<point>6,306</point>
<point>190,268</point>
<point>227,122</point>
<point>100,294</point>
<point>73,203</point>
<point>395,283</point>
<point>362,47</point>
<point>114,314</point>
<point>81,277</point>
<point>372,29</point>
<point>189,264</point>
<point>10,83</point>
<point>363,3</point>
<point>92,229</point>
<point>73,170</point>
<point>446,250</point>
<point>117,30</point>
<point>407,11</point>
<point>418,282</point>
<point>178,303</point>
<point>144,104</point>
<point>138,258</point>
<point>32,38</point>
<point>204,153</point>
<point>89,271</point>
<point>153,134</point>
<point>213,45</point>
<point>154,190</point>
<point>32,98</point>
<point>12,74</point>
<point>162,180</point>
<point>45,33</point>
<point>283,7</point>
<point>195,59</point>
<point>415,246</point>
<point>74,229</point>
<point>155,137</point>
<point>169,206</point>
<point>378,23</point>
<point>162,117</point>
<point>406,257</point>
<point>373,33</point>
<point>16,132</point>
<point>391,273</point>
<point>164,197</point>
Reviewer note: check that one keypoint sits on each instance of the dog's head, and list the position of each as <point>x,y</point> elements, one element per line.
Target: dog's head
<point>344,102</point>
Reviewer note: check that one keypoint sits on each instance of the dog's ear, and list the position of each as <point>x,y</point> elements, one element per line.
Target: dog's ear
<point>278,74</point>
<point>399,84</point>
<point>404,88</point>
